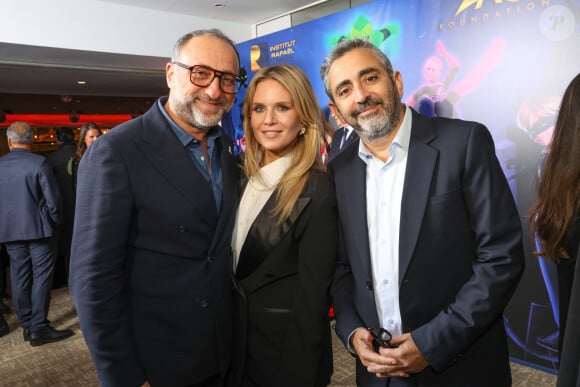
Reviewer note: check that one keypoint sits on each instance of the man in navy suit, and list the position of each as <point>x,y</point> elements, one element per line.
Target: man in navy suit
<point>151,261</point>
<point>430,239</point>
<point>340,140</point>
<point>341,137</point>
<point>30,213</point>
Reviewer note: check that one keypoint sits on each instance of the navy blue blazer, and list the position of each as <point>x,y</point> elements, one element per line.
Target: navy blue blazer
<point>460,254</point>
<point>151,258</point>
<point>335,145</point>
<point>30,204</point>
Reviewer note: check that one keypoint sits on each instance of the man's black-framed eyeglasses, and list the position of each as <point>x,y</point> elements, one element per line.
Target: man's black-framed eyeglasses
<point>381,336</point>
<point>203,76</point>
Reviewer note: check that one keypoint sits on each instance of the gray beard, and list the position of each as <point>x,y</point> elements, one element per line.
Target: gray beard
<point>188,112</point>
<point>379,125</point>
<point>376,128</point>
<point>199,120</point>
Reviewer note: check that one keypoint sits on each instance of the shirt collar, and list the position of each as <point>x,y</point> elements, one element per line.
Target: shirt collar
<point>184,138</point>
<point>401,140</point>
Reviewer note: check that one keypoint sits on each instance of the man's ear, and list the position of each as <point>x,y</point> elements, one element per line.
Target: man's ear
<point>336,115</point>
<point>398,81</point>
<point>169,74</point>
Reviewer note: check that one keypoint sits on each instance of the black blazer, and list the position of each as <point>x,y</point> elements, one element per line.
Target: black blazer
<point>61,161</point>
<point>460,254</point>
<point>282,281</point>
<point>335,145</point>
<point>151,258</point>
<point>30,202</point>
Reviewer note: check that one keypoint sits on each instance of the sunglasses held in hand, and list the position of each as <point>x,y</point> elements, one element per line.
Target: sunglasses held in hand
<point>381,337</point>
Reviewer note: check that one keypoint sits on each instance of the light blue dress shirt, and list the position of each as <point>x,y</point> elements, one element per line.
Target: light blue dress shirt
<point>384,182</point>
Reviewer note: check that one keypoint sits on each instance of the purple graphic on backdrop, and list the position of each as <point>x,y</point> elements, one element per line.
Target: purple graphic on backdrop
<point>502,63</point>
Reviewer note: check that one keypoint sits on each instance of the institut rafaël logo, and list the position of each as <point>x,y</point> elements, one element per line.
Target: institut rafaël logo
<point>262,54</point>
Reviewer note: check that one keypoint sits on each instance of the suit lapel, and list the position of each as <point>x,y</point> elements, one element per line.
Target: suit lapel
<point>350,179</point>
<point>421,162</point>
<point>230,179</point>
<point>264,237</point>
<point>351,138</point>
<point>162,148</point>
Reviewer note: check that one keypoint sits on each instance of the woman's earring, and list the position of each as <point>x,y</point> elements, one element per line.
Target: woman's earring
<point>302,131</point>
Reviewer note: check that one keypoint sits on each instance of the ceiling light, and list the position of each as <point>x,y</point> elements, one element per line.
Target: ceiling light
<point>82,82</point>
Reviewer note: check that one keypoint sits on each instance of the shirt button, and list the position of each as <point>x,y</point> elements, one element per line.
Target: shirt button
<point>385,282</point>
<point>182,228</point>
<point>202,158</point>
<point>203,303</point>
<point>209,259</point>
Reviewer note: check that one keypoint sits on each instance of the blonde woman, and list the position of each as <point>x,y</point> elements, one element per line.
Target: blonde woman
<point>285,237</point>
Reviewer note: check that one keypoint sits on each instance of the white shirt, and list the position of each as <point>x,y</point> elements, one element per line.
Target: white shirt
<point>384,182</point>
<point>254,199</point>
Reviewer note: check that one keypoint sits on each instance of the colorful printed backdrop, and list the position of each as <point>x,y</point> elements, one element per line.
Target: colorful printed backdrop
<point>503,63</point>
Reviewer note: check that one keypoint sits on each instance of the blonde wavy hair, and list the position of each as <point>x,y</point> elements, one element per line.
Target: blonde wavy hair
<point>306,148</point>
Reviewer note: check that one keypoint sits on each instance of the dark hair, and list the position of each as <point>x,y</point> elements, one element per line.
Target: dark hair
<point>81,146</point>
<point>345,46</point>
<point>194,34</point>
<point>558,190</point>
<point>65,135</point>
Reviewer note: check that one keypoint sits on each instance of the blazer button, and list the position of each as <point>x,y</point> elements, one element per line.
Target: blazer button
<point>203,304</point>
<point>209,259</point>
<point>369,285</point>
<point>182,228</point>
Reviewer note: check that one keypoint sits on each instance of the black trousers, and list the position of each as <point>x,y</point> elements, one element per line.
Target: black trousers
<point>4,259</point>
<point>31,272</point>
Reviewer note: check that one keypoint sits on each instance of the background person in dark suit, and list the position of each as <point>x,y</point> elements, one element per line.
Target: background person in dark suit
<point>342,137</point>
<point>30,213</point>
<point>151,259</point>
<point>4,309</point>
<point>4,260</point>
<point>4,328</point>
<point>431,243</point>
<point>61,161</point>
<point>285,238</point>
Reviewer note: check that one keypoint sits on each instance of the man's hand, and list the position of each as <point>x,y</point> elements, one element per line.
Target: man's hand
<point>403,360</point>
<point>384,365</point>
